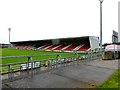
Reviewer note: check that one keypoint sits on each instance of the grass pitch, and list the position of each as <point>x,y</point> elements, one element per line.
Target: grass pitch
<point>17,52</point>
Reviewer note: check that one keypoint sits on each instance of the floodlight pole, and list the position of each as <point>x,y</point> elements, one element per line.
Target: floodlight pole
<point>101,25</point>
<point>9,29</point>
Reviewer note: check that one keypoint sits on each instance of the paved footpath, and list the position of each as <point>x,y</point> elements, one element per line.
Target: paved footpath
<point>82,75</point>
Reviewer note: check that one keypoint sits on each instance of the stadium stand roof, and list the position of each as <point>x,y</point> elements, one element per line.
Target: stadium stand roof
<point>82,38</point>
<point>67,44</point>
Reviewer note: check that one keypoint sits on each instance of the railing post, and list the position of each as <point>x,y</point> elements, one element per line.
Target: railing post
<point>10,74</point>
<point>40,64</point>
<point>27,65</point>
<point>9,68</point>
<point>31,67</point>
<point>0,70</point>
<point>56,62</point>
<point>65,61</point>
<point>52,63</point>
<point>21,70</point>
<point>45,63</point>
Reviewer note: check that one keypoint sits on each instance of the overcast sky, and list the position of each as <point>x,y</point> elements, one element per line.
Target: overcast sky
<point>48,19</point>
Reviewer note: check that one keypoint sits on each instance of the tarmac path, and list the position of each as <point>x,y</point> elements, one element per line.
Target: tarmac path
<point>82,75</point>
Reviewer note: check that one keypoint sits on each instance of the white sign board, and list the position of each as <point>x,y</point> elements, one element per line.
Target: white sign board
<point>112,48</point>
<point>35,65</point>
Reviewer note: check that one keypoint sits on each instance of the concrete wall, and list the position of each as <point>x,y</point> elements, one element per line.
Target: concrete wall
<point>94,42</point>
<point>110,55</point>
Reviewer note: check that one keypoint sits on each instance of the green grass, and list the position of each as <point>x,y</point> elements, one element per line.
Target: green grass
<point>16,52</point>
<point>113,81</point>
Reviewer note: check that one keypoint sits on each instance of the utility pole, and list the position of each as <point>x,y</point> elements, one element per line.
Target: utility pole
<point>9,29</point>
<point>101,1</point>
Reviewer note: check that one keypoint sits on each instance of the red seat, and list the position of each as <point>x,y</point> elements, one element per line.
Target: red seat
<point>71,47</point>
<point>84,47</point>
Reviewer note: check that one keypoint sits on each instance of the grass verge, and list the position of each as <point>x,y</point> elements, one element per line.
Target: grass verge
<point>113,81</point>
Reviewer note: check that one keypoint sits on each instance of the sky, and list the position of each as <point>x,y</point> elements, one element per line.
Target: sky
<point>49,19</point>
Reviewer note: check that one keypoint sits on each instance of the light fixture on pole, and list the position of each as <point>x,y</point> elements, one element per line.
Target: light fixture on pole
<point>101,25</point>
<point>9,29</point>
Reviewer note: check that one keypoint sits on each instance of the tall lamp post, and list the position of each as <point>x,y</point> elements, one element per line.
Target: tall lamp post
<point>9,29</point>
<point>101,1</point>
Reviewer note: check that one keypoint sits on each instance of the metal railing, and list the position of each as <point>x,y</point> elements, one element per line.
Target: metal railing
<point>31,67</point>
<point>16,71</point>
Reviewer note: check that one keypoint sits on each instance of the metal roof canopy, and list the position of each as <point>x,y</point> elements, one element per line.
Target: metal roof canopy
<point>67,38</point>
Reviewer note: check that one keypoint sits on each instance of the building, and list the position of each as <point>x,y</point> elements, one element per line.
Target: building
<point>79,44</point>
<point>4,45</point>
